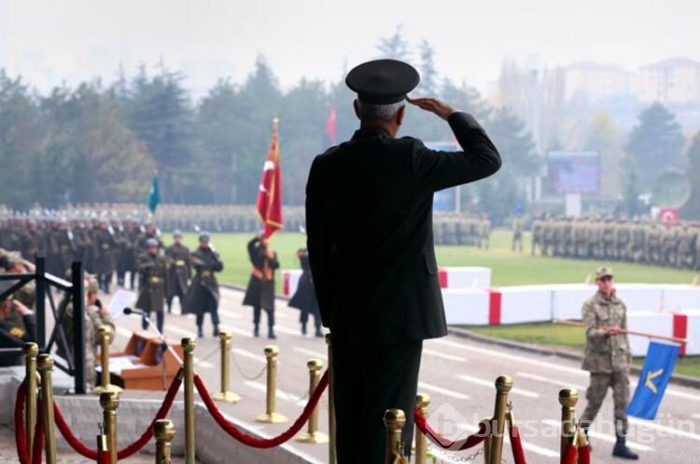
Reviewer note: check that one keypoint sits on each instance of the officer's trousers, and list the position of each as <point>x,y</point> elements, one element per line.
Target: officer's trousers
<point>367,382</point>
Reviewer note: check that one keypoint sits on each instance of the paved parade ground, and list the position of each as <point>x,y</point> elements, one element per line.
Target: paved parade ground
<point>457,373</point>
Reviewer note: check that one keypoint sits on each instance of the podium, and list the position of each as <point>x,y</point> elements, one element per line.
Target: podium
<point>145,363</point>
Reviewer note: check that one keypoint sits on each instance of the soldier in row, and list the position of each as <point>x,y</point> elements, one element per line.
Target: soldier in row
<point>643,242</point>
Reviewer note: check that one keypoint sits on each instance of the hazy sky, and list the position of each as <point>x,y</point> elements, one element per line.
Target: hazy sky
<point>71,40</point>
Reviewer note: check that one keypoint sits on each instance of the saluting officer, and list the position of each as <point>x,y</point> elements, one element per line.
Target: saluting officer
<point>152,269</point>
<point>370,241</point>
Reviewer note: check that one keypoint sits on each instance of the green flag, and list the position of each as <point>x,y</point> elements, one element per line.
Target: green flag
<point>153,196</point>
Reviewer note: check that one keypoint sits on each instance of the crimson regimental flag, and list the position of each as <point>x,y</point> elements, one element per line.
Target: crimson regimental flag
<point>269,204</point>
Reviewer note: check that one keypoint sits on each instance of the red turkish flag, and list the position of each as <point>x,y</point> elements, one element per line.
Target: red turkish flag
<point>269,204</point>
<point>330,126</point>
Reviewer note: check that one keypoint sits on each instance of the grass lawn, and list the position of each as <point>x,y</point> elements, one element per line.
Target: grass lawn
<point>508,268</point>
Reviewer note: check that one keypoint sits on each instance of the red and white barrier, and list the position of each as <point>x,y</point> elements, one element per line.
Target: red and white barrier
<point>466,306</point>
<point>648,321</point>
<point>464,277</point>
<point>525,303</point>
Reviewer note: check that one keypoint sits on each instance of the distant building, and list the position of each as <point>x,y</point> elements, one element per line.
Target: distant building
<point>596,81</point>
<point>676,80</point>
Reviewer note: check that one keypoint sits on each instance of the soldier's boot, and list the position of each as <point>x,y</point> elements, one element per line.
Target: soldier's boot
<point>200,333</point>
<point>256,330</point>
<point>621,450</point>
<point>319,334</point>
<point>271,332</point>
<point>303,328</point>
<point>216,330</point>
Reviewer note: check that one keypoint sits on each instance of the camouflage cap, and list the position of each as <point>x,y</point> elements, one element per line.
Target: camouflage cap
<point>603,272</point>
<point>92,285</point>
<point>152,243</point>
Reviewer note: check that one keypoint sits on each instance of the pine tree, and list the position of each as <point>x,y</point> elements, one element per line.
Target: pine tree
<point>691,209</point>
<point>394,46</point>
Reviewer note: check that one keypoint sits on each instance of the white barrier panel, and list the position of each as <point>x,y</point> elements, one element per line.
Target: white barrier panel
<point>525,303</point>
<point>466,306</point>
<point>641,297</point>
<point>658,323</point>
<point>290,281</point>
<point>465,277</point>
<point>568,299</point>
<point>679,297</point>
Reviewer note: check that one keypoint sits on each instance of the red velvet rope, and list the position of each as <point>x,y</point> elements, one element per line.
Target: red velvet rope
<point>38,450</point>
<point>460,445</point>
<point>516,444</point>
<point>249,440</point>
<point>103,457</point>
<point>20,431</point>
<point>584,454</point>
<point>570,455</point>
<point>92,454</point>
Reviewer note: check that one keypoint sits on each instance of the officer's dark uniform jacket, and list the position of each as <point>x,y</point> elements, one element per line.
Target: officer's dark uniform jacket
<point>152,284</point>
<point>261,285</point>
<point>369,212</point>
<point>204,290</point>
<point>179,272</point>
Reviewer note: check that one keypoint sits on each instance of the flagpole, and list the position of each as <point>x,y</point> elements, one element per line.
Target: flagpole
<point>681,341</point>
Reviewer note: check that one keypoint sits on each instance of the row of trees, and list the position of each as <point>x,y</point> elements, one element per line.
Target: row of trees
<point>102,142</point>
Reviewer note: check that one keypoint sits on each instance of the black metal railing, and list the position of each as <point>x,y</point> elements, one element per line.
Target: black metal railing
<point>74,293</point>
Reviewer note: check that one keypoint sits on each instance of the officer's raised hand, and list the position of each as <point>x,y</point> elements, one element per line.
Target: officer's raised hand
<point>433,105</point>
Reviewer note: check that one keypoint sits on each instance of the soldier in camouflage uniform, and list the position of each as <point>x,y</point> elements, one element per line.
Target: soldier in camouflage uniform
<point>96,315</point>
<point>685,253</point>
<point>517,234</point>
<point>637,242</point>
<point>537,236</point>
<point>607,357</point>
<point>484,238</point>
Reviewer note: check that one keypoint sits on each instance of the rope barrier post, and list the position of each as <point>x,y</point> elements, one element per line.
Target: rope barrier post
<point>331,405</point>
<point>488,423</point>
<point>568,399</point>
<point>394,420</point>
<point>313,435</point>
<point>45,365</point>
<point>270,416</point>
<point>164,430</point>
<point>188,347</point>
<point>503,386</point>
<point>104,334</point>
<point>422,403</point>
<point>110,402</point>
<point>31,351</point>
<point>225,395</point>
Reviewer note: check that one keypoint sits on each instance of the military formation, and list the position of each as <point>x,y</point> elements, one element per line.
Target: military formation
<point>643,242</point>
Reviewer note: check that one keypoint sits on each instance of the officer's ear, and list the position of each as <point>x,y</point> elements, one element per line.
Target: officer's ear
<point>399,115</point>
<point>356,106</point>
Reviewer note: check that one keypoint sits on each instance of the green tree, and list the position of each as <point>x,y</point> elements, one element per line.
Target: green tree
<point>395,46</point>
<point>428,74</point>
<point>691,209</point>
<point>655,144</point>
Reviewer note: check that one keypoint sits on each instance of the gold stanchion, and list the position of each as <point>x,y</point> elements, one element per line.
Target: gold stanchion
<point>394,420</point>
<point>313,435</point>
<point>164,430</point>
<point>225,395</point>
<point>45,365</point>
<point>488,421</point>
<point>503,387</point>
<point>568,399</point>
<point>31,350</point>
<point>422,403</point>
<point>110,402</point>
<point>270,416</point>
<point>331,405</point>
<point>188,346</point>
<point>105,333</point>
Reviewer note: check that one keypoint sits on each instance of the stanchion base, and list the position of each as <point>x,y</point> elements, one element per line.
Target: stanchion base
<point>226,397</point>
<point>272,418</point>
<point>108,389</point>
<point>314,438</point>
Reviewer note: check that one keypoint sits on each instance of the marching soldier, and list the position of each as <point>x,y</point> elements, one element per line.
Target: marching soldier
<point>305,297</point>
<point>607,357</point>
<point>203,295</point>
<point>152,275</point>
<point>179,271</point>
<point>104,244</point>
<point>484,238</point>
<point>537,236</point>
<point>260,293</point>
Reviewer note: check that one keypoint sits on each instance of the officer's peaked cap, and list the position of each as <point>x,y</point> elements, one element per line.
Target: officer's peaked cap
<point>382,82</point>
